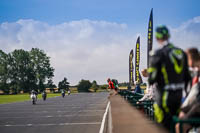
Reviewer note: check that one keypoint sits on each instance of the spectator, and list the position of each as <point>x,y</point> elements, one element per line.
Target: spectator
<point>115,83</point>
<point>149,89</point>
<point>111,87</point>
<point>129,87</point>
<point>137,88</point>
<point>169,71</point>
<point>193,63</point>
<point>191,106</point>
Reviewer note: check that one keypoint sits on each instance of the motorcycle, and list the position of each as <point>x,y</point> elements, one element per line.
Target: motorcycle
<point>68,92</point>
<point>34,98</point>
<point>63,94</point>
<point>44,96</point>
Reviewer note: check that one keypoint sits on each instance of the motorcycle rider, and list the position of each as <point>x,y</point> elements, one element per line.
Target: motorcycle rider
<point>44,95</point>
<point>63,93</point>
<point>34,96</point>
<point>68,92</point>
<point>34,92</point>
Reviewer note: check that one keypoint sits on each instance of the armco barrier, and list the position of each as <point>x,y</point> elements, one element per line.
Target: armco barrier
<point>126,119</point>
<point>147,107</point>
<point>181,122</point>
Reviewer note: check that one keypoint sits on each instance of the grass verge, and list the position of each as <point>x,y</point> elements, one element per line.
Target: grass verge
<point>22,97</point>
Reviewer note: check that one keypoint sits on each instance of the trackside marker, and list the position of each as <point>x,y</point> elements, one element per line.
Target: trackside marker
<point>104,118</point>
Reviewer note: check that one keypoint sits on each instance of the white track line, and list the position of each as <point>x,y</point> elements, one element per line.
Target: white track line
<point>46,111</point>
<point>49,116</point>
<point>59,124</point>
<point>110,121</point>
<point>48,108</point>
<point>104,118</point>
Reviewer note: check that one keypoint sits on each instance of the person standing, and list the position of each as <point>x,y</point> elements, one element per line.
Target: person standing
<point>149,95</point>
<point>193,63</point>
<point>137,88</point>
<point>111,87</point>
<point>169,71</point>
<point>115,83</point>
<point>191,106</point>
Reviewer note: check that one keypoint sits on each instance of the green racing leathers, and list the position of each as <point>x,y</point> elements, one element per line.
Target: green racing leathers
<point>169,71</point>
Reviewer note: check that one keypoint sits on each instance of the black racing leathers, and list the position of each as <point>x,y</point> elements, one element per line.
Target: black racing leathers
<point>169,70</point>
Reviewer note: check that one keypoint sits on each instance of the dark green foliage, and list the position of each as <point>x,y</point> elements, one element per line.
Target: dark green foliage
<point>104,86</point>
<point>63,85</point>
<point>41,67</point>
<point>95,86</point>
<point>4,72</point>
<point>50,85</point>
<point>20,69</point>
<point>23,70</point>
<point>124,84</point>
<point>84,86</point>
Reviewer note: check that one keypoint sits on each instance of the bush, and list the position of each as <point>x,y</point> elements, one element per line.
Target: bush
<point>104,86</point>
<point>84,86</point>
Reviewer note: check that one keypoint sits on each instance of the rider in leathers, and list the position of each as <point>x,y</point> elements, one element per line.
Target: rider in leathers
<point>169,71</point>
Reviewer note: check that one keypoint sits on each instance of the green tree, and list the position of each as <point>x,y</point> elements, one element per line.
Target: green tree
<point>63,85</point>
<point>4,72</point>
<point>41,67</point>
<point>23,70</point>
<point>124,84</point>
<point>22,75</point>
<point>50,85</point>
<point>84,86</point>
<point>104,87</point>
<point>95,86</point>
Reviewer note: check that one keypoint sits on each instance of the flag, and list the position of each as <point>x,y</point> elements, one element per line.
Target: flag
<point>137,60</point>
<point>131,68</point>
<point>150,36</point>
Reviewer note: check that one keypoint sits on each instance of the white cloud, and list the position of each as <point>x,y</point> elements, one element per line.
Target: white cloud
<point>187,34</point>
<point>86,49</point>
<point>82,49</point>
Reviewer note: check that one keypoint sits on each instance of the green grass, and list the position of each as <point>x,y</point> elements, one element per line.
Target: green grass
<point>22,97</point>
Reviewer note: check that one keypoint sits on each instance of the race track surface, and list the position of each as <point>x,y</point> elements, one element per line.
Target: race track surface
<point>77,113</point>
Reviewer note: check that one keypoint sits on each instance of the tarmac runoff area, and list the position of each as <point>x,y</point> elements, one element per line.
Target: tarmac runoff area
<point>77,113</point>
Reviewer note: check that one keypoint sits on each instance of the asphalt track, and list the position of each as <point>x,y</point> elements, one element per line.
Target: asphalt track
<point>77,113</point>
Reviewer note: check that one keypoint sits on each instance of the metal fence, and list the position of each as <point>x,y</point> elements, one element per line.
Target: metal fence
<point>147,108</point>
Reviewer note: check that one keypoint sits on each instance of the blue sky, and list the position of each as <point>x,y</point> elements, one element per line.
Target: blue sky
<point>132,12</point>
<point>91,39</point>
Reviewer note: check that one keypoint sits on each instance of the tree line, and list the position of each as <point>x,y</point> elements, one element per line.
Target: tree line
<point>86,85</point>
<point>22,70</point>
